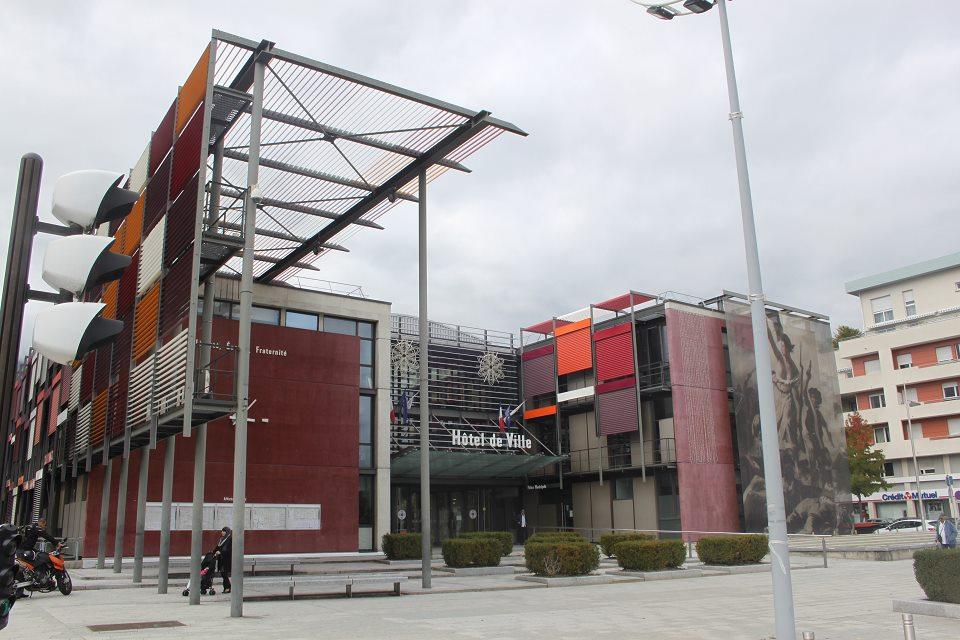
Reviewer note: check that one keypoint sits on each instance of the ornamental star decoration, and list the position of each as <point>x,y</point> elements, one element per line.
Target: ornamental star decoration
<point>490,368</point>
<point>404,355</point>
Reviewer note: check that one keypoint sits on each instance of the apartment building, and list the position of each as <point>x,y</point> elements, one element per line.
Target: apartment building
<point>902,375</point>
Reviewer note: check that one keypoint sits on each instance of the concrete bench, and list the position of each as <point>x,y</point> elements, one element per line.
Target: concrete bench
<point>346,581</point>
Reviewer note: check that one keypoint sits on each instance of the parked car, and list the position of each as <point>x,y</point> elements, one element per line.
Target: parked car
<point>908,524</point>
<point>871,525</point>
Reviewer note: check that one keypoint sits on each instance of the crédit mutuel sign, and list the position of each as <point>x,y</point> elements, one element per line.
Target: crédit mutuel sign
<point>491,440</point>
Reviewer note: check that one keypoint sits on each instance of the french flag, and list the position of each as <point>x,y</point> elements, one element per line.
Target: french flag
<point>502,422</point>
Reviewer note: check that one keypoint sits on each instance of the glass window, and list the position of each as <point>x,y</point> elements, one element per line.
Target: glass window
<point>953,426</point>
<point>882,309</point>
<point>944,354</point>
<point>366,500</point>
<point>301,320</point>
<point>877,400</point>
<point>264,315</point>
<point>366,352</point>
<point>917,431</point>
<point>623,489</point>
<point>871,366</point>
<point>909,304</point>
<point>904,361</point>
<point>881,434</point>
<point>365,329</point>
<point>340,325</point>
<point>848,403</point>
<point>366,431</point>
<point>366,377</point>
<point>950,390</point>
<point>911,395</point>
<point>888,469</point>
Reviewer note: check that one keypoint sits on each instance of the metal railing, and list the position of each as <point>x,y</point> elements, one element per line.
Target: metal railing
<point>661,451</point>
<point>217,380</point>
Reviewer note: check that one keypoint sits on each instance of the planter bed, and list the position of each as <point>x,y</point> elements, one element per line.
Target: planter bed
<point>666,574</point>
<point>924,607</point>
<point>568,581</point>
<point>481,571</point>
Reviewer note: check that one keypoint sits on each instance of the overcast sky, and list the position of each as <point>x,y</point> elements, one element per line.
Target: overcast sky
<point>627,179</point>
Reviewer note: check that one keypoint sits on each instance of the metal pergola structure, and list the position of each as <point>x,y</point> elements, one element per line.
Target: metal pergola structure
<point>300,156</point>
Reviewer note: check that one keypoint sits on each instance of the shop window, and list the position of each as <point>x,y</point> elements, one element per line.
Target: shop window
<point>301,320</point>
<point>623,489</point>
<point>877,401</point>
<point>366,431</point>
<point>367,500</point>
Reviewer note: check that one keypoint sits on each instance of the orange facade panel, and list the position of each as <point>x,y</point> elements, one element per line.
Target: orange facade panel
<point>145,322</point>
<point>120,239</point>
<point>573,347</point>
<point>110,299</point>
<point>193,91</point>
<point>98,418</point>
<point>540,413</point>
<point>134,226</point>
<point>54,409</point>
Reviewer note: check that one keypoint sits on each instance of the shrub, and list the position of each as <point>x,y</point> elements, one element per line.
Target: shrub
<point>937,572</point>
<point>730,550</point>
<point>561,558</point>
<point>505,539</point>
<point>402,546</point>
<point>556,536</point>
<point>608,540</point>
<point>650,555</point>
<point>471,552</point>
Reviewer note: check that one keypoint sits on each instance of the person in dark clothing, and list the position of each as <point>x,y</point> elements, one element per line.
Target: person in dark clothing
<point>224,553</point>
<point>32,534</point>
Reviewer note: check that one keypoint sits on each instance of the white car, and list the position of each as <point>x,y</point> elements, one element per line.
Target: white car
<point>908,524</point>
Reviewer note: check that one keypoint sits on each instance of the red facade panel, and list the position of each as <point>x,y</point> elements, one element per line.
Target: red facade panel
<point>618,411</point>
<point>175,296</point>
<point>127,292</point>
<point>118,405</point>
<point>86,382</point>
<point>162,138</point>
<point>614,352</point>
<point>186,154</point>
<point>101,377</point>
<point>539,375</point>
<point>181,224</point>
<point>156,201</point>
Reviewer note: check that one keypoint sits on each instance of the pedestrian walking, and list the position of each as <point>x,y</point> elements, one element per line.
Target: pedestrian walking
<point>522,526</point>
<point>946,533</point>
<point>224,553</point>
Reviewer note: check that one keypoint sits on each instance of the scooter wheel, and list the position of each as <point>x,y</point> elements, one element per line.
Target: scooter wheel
<point>186,592</point>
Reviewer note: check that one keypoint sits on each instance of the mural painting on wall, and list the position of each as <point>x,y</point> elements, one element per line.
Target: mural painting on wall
<point>816,476</point>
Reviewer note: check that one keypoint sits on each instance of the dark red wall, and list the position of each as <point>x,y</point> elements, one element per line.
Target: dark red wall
<point>701,423</point>
<point>306,454</point>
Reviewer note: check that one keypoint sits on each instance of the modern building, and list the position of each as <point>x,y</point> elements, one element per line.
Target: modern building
<point>902,376</point>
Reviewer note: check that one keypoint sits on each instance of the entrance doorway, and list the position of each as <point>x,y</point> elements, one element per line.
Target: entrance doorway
<point>456,510</point>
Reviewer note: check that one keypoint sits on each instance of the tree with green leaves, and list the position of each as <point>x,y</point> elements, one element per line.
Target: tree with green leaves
<point>842,333</point>
<point>866,463</point>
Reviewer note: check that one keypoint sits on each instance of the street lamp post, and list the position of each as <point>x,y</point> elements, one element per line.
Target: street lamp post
<point>770,441</point>
<point>922,512</point>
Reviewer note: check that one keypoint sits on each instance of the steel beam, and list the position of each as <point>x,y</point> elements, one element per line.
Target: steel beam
<point>461,134</point>
<point>298,208</point>
<point>141,514</point>
<point>121,515</point>
<point>280,235</point>
<point>104,515</point>
<point>170,445</point>
<point>243,341</point>
<point>424,375</point>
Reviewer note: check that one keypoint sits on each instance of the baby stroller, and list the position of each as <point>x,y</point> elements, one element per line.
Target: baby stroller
<point>207,566</point>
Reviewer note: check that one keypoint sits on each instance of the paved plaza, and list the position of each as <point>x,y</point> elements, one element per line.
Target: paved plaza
<point>850,600</point>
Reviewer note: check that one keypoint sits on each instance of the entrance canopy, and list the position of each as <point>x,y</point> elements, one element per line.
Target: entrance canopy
<point>448,465</point>
<point>337,150</point>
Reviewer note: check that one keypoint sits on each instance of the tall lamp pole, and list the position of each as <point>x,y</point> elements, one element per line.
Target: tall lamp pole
<point>922,511</point>
<point>776,512</point>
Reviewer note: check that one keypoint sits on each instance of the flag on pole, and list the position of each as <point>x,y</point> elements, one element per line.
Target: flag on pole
<point>404,409</point>
<point>502,421</point>
<point>508,418</point>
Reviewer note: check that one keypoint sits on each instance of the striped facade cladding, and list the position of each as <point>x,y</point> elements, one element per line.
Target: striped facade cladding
<point>618,411</point>
<point>701,422</point>
<point>145,323</point>
<point>175,297</point>
<point>155,204</point>
<point>539,371</point>
<point>186,156</point>
<point>193,91</point>
<point>614,352</point>
<point>573,347</point>
<point>162,139</point>
<point>180,224</point>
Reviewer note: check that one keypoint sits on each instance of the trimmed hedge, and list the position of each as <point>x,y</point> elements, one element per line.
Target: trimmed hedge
<point>504,538</point>
<point>938,573</point>
<point>402,546</point>
<point>471,552</point>
<point>556,536</point>
<point>608,540</point>
<point>732,550</point>
<point>650,555</point>
<point>561,558</point>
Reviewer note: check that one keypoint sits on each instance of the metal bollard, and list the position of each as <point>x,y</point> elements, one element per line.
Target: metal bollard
<point>690,548</point>
<point>823,546</point>
<point>808,635</point>
<point>909,631</point>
